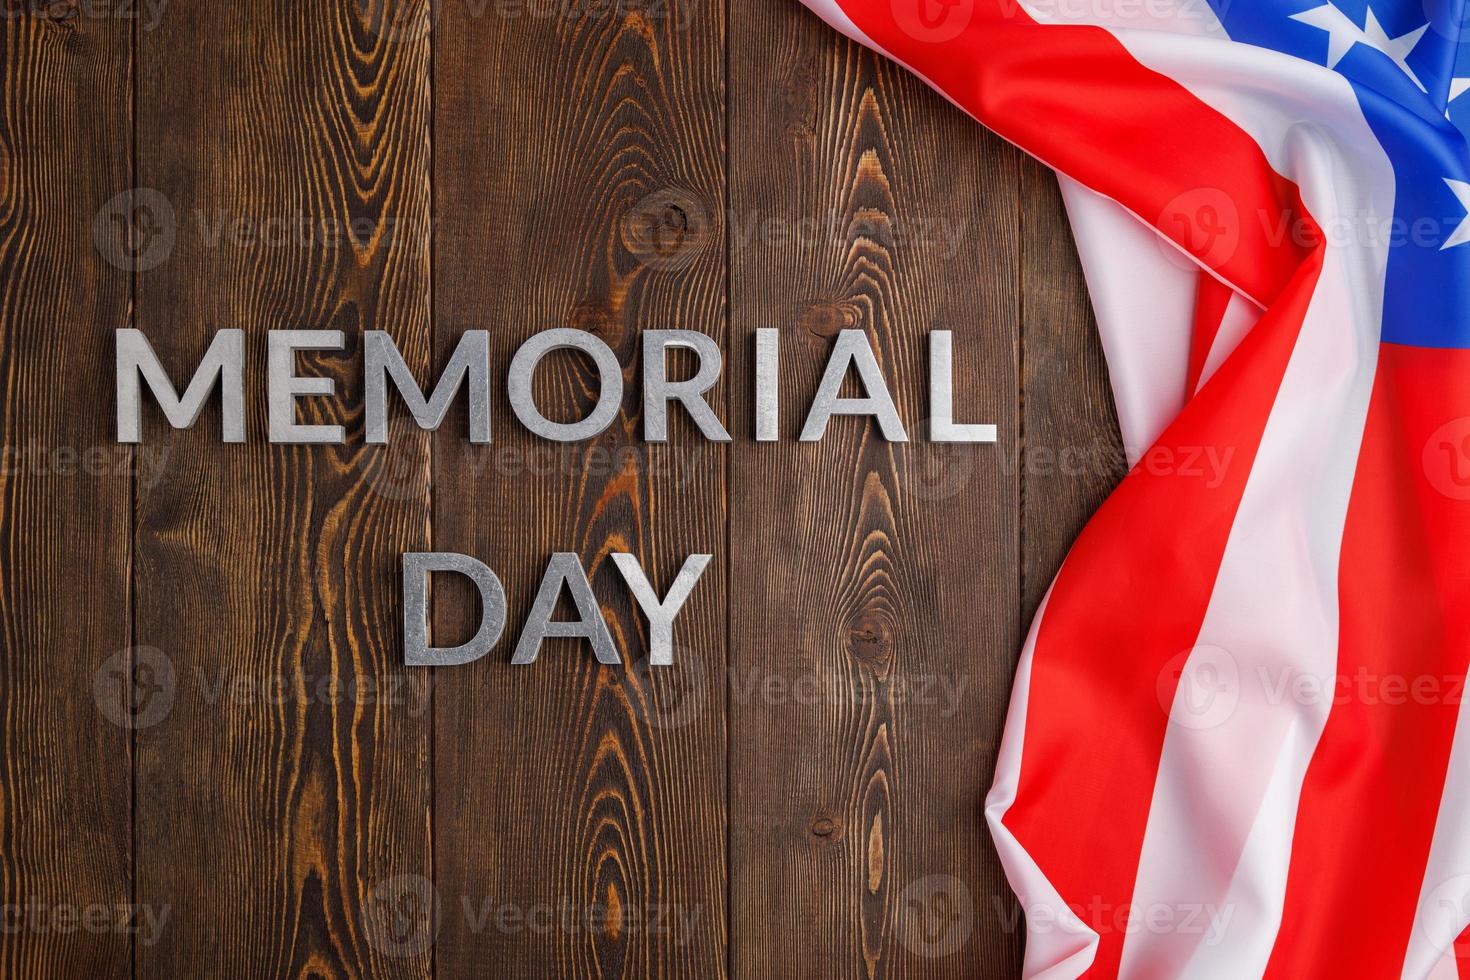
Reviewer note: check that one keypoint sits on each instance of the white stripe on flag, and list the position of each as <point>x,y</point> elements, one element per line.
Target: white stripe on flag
<point>1066,947</point>
<point>1240,315</point>
<point>1224,810</point>
<point>1142,288</point>
<point>1444,901</point>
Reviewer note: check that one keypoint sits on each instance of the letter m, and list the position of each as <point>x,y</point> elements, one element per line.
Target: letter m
<point>223,362</point>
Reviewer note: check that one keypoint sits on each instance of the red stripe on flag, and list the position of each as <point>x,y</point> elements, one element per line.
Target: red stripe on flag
<point>1118,627</point>
<point>1210,304</point>
<point>1379,769</point>
<point>1074,97</point>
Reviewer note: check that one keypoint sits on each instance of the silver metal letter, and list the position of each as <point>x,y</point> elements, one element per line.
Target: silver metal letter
<point>523,371</point>
<point>658,390</point>
<point>283,387</point>
<point>470,360</point>
<point>852,348</point>
<point>416,568</point>
<point>942,426</point>
<point>223,362</point>
<point>661,614</point>
<point>565,568</point>
<point>767,385</point>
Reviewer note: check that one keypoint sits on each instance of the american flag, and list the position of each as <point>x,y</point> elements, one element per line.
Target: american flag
<point>1237,744</point>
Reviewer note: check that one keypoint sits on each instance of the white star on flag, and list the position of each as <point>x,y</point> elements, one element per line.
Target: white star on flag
<point>1457,89</point>
<point>1343,34</point>
<point>1462,233</point>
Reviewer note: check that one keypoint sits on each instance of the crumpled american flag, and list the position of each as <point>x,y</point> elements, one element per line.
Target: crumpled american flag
<point>1237,745</point>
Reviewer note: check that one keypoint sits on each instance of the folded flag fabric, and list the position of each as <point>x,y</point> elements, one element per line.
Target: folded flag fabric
<point>1237,744</point>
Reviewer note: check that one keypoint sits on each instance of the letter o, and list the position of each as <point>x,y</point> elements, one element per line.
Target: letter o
<point>523,371</point>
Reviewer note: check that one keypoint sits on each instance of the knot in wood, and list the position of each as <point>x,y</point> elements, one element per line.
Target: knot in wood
<point>668,229</point>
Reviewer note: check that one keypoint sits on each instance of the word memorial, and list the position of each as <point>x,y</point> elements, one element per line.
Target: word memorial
<point>222,368</point>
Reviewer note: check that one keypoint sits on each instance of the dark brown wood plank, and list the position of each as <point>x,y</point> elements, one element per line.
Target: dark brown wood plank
<point>1072,454</point>
<point>65,492</point>
<point>284,800</point>
<point>875,603</point>
<point>579,163</point>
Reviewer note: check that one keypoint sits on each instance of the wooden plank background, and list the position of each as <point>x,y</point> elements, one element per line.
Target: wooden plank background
<point>213,762</point>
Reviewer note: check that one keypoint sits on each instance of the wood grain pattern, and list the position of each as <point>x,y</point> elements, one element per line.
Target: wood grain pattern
<point>65,493</point>
<point>283,802</point>
<point>875,584</point>
<point>579,182</point>
<point>1071,453</point>
<point>205,711</point>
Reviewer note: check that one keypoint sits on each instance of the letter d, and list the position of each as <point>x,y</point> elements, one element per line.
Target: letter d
<point>416,568</point>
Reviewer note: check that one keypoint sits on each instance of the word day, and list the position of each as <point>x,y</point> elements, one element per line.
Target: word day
<point>564,573</point>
